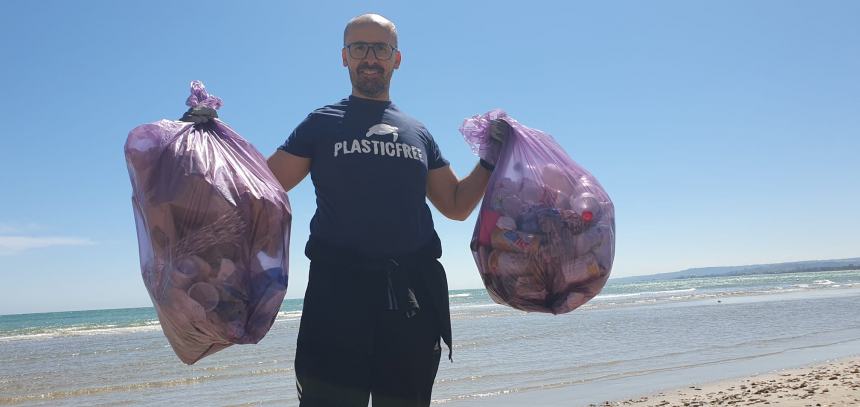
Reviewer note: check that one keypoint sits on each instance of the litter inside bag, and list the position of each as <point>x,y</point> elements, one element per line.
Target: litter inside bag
<point>213,228</point>
<point>545,236</point>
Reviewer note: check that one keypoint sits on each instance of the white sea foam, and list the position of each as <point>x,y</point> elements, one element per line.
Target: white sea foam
<point>474,306</point>
<point>102,329</point>
<point>84,330</point>
<point>645,293</point>
<point>288,315</point>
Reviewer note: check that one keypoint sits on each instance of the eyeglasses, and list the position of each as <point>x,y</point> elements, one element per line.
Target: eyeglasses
<point>381,50</point>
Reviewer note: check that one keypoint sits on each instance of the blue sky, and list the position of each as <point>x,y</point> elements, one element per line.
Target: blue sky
<point>725,132</point>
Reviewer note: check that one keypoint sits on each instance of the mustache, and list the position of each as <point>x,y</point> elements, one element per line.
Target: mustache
<point>365,65</point>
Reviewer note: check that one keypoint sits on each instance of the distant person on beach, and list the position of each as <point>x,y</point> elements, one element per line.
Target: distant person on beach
<point>376,304</point>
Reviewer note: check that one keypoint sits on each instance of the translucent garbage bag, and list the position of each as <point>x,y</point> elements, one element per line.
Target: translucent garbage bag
<point>213,229</point>
<point>545,236</point>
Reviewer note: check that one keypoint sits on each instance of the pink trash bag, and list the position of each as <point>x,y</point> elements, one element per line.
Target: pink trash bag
<point>213,228</point>
<point>545,237</point>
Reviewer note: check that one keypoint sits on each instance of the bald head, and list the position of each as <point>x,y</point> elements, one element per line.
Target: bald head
<point>371,20</point>
<point>371,55</point>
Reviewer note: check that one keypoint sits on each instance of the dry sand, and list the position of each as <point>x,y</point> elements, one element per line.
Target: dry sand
<point>832,384</point>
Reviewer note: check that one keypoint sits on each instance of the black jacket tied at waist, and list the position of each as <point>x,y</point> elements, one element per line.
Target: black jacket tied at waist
<point>403,273</point>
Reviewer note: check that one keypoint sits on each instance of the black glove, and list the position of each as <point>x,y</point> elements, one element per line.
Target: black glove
<point>199,115</point>
<point>499,130</point>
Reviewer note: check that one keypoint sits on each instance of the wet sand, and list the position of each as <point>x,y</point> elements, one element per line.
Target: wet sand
<point>830,384</point>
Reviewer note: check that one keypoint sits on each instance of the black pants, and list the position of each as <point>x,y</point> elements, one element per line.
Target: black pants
<point>351,346</point>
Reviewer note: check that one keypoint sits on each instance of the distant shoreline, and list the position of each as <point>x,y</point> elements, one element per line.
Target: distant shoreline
<point>807,266</point>
<point>741,273</point>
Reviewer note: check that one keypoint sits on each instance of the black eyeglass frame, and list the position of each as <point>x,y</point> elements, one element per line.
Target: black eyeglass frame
<point>371,46</point>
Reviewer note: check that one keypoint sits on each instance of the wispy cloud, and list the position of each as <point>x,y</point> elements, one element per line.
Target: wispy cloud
<point>19,227</point>
<point>17,244</point>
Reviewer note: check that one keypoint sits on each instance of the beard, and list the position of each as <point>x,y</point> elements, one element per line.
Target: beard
<point>373,86</point>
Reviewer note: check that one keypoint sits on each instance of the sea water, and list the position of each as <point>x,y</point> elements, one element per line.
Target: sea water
<point>635,337</point>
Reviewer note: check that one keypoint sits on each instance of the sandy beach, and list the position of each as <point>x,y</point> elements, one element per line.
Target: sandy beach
<point>830,384</point>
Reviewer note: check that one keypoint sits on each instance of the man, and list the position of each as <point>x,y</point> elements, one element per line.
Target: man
<point>376,303</point>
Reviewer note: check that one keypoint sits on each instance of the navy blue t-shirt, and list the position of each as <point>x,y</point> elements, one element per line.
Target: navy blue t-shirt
<point>369,164</point>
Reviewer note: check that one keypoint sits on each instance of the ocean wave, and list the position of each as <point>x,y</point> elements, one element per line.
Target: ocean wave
<point>645,293</point>
<point>474,306</point>
<point>30,333</point>
<point>83,330</point>
<point>103,329</point>
<point>288,315</point>
<point>459,295</point>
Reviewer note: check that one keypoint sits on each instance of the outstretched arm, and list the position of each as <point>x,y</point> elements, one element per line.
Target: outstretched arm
<point>288,168</point>
<point>456,199</point>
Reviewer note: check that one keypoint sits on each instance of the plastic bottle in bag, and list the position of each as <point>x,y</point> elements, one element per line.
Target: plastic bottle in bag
<point>546,194</point>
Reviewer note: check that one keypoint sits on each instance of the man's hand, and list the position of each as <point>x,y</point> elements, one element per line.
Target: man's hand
<point>199,115</point>
<point>499,131</point>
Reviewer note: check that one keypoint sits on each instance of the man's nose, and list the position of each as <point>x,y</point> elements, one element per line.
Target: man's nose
<point>371,56</point>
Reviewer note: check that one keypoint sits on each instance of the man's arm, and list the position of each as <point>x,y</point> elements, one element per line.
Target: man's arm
<point>456,199</point>
<point>289,169</point>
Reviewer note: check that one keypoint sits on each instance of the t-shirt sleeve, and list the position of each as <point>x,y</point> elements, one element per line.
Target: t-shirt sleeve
<point>300,141</point>
<point>434,155</point>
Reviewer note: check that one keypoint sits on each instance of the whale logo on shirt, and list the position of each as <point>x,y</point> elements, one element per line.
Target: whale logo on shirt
<point>382,129</point>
